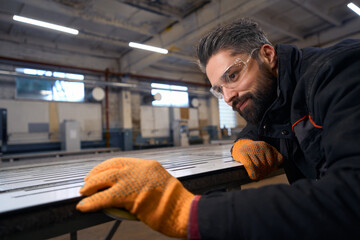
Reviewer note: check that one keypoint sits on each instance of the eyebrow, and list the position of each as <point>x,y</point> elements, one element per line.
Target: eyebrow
<point>235,62</point>
<point>226,72</point>
<point>228,68</point>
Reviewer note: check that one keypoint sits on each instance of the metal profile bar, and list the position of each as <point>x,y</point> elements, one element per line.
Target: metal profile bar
<point>133,87</point>
<point>102,72</point>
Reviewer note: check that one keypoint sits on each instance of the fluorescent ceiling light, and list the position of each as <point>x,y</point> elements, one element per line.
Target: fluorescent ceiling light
<point>353,7</point>
<point>149,48</point>
<point>45,25</point>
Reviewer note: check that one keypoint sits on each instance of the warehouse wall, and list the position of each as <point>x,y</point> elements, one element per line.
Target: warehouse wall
<point>124,122</point>
<point>32,122</point>
<point>124,118</point>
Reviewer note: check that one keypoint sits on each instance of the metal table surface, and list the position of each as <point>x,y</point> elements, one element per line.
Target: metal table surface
<point>38,197</point>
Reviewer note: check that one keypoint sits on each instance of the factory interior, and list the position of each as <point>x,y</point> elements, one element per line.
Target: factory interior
<point>88,94</point>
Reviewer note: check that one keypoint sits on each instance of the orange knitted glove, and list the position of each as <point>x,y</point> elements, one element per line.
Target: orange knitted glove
<point>144,188</point>
<point>259,158</point>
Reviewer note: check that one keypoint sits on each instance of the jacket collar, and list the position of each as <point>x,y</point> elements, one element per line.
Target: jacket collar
<point>276,120</point>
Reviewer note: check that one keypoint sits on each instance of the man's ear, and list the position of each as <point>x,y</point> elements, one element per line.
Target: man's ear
<point>268,55</point>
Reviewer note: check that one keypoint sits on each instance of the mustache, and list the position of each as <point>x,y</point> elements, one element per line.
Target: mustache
<point>241,99</point>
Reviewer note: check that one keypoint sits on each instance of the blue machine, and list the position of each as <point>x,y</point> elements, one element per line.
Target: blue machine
<point>3,129</point>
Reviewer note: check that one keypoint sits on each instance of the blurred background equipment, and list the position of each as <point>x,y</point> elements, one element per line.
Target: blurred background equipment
<point>3,129</point>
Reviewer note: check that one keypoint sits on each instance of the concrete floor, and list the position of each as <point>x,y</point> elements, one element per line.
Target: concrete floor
<point>128,230</point>
<point>133,230</point>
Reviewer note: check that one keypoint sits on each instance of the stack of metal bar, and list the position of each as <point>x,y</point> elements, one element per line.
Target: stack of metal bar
<point>38,196</point>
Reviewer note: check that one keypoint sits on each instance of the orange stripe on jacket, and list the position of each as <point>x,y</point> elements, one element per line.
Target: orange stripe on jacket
<point>312,122</point>
<point>298,122</point>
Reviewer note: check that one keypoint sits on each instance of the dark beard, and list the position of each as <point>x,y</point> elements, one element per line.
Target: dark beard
<point>260,100</point>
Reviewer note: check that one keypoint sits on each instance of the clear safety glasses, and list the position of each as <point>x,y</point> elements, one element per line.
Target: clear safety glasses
<point>231,76</point>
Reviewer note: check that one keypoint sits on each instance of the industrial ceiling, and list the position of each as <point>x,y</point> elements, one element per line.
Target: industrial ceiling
<point>107,26</point>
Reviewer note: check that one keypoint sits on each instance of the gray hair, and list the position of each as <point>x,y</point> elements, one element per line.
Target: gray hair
<point>240,36</point>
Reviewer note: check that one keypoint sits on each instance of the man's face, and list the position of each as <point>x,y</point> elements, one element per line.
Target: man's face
<point>254,90</point>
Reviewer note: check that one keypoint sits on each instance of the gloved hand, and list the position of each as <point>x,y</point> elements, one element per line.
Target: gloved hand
<point>144,188</point>
<point>259,158</point>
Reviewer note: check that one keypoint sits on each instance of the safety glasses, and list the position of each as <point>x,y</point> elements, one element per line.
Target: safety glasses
<point>231,76</point>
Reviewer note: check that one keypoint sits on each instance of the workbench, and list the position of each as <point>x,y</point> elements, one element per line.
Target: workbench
<point>38,196</point>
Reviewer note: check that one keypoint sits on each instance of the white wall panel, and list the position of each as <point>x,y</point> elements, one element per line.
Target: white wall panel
<point>23,113</point>
<point>155,121</point>
<point>193,118</point>
<point>20,114</point>
<point>88,115</point>
<point>162,122</point>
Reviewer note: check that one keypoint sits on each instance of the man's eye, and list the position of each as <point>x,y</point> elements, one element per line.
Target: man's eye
<point>232,77</point>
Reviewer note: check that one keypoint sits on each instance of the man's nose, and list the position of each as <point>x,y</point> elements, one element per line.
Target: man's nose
<point>228,95</point>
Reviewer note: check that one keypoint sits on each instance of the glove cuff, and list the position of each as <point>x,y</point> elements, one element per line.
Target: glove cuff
<point>170,215</point>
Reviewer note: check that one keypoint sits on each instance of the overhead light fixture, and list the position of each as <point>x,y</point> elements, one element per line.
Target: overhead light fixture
<point>148,47</point>
<point>45,24</point>
<point>355,8</point>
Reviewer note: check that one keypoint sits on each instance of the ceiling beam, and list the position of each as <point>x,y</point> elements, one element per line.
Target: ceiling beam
<point>205,20</point>
<point>279,26</point>
<point>103,39</point>
<point>164,9</point>
<point>163,66</point>
<point>331,35</point>
<point>82,35</point>
<point>41,45</point>
<point>160,9</point>
<point>182,56</point>
<point>320,12</point>
<point>46,5</point>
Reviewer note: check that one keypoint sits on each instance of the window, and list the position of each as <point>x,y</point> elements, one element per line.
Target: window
<point>49,89</point>
<point>227,115</point>
<point>171,95</point>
